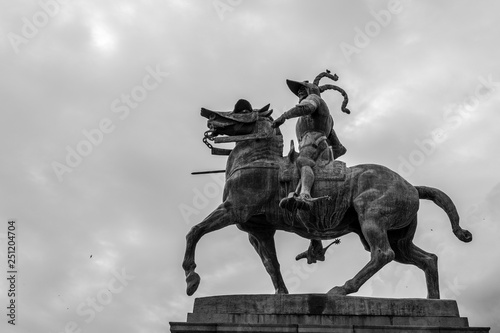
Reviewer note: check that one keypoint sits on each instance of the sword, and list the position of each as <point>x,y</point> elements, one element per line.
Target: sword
<point>207,172</point>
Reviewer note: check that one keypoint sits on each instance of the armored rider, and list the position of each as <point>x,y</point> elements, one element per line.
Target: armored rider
<point>314,131</point>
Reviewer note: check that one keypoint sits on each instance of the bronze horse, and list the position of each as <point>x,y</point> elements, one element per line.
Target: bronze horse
<point>371,201</point>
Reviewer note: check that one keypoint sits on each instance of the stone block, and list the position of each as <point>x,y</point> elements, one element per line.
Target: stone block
<point>317,313</point>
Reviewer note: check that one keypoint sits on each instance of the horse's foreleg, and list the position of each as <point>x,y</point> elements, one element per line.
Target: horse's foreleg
<point>263,242</point>
<point>218,219</point>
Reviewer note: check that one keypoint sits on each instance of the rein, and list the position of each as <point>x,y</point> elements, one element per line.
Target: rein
<point>209,135</point>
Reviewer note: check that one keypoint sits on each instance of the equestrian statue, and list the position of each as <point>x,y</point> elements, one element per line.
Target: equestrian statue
<point>311,193</point>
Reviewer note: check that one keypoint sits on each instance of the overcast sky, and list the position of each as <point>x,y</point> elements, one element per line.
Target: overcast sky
<point>101,129</point>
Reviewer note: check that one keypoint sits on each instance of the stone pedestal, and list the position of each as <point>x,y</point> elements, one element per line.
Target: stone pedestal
<point>308,313</point>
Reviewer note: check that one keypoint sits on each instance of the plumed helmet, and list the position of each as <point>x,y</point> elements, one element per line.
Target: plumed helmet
<point>295,87</point>
<point>315,89</point>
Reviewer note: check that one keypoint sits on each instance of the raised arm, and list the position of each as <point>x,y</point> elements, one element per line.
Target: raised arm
<point>305,107</point>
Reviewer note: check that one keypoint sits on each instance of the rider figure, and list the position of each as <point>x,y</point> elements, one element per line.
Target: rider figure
<point>314,131</point>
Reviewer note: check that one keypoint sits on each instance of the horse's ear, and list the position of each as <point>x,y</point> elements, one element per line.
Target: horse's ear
<point>265,112</point>
<point>265,108</point>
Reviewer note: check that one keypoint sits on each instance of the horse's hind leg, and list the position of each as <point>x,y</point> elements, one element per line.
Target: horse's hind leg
<point>218,219</point>
<point>263,242</point>
<point>408,253</point>
<point>423,260</point>
<point>381,254</point>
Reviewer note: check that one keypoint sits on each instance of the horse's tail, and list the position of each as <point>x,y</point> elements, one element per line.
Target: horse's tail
<point>444,201</point>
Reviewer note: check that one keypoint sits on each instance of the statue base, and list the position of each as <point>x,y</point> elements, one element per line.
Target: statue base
<point>308,313</point>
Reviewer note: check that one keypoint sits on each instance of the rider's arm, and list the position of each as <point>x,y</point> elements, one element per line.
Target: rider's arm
<point>304,108</point>
<point>307,106</point>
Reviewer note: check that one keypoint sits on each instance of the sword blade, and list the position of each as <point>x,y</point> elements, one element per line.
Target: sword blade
<point>207,172</point>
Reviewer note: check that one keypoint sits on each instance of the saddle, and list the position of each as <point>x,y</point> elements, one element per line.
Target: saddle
<point>330,188</point>
<point>326,168</point>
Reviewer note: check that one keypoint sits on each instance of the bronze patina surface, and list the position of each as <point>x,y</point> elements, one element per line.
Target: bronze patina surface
<point>370,200</point>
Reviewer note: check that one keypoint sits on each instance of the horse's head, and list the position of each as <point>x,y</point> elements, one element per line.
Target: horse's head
<point>242,124</point>
<point>241,121</point>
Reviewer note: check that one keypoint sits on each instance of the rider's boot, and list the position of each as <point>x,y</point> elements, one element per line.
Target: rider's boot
<point>304,200</point>
<point>314,253</point>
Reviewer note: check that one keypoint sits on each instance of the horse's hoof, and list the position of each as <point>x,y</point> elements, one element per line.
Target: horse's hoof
<point>337,291</point>
<point>193,281</point>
